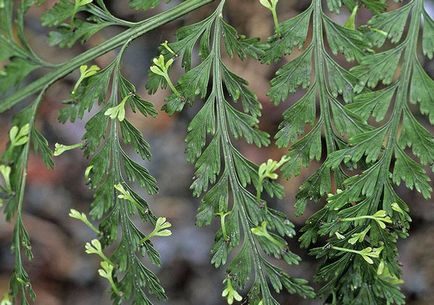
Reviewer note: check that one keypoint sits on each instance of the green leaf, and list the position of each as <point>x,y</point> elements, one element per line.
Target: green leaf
<point>293,34</point>
<point>422,91</point>
<point>40,144</point>
<point>377,67</point>
<point>238,90</point>
<point>292,75</point>
<point>240,45</point>
<point>195,81</point>
<point>14,72</point>
<point>143,4</point>
<point>295,118</point>
<point>188,36</point>
<point>132,136</point>
<point>61,11</point>
<point>246,126</point>
<point>241,266</point>
<point>340,81</point>
<point>349,42</point>
<point>67,35</point>
<point>139,174</point>
<point>95,130</point>
<point>215,200</point>
<point>346,122</point>
<point>409,171</point>
<point>306,149</point>
<point>207,167</point>
<point>428,36</point>
<point>135,101</point>
<point>90,90</point>
<point>201,125</point>
<point>389,25</point>
<point>375,103</point>
<point>375,6</point>
<point>368,144</point>
<point>420,140</point>
<point>312,189</point>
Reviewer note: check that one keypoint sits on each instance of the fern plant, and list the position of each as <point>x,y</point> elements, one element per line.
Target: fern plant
<point>371,136</point>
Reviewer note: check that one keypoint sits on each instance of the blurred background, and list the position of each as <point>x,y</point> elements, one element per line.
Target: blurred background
<point>63,274</point>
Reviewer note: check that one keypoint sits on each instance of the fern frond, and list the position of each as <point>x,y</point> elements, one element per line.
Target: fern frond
<point>14,162</point>
<point>109,163</point>
<point>329,81</point>
<point>249,229</point>
<point>348,220</point>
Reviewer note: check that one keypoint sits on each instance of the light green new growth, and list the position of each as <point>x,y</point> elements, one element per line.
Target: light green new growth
<point>19,136</point>
<point>61,148</point>
<point>380,217</point>
<point>230,293</point>
<point>262,231</point>
<point>83,218</point>
<point>5,171</point>
<point>367,253</point>
<point>161,230</point>
<point>85,72</point>
<point>268,170</point>
<point>106,272</point>
<point>161,67</point>
<point>94,247</point>
<point>118,112</point>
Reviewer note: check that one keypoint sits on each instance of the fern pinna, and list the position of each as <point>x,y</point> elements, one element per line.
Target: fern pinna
<point>364,216</point>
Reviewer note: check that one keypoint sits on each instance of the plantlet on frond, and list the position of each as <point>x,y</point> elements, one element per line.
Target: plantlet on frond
<point>94,247</point>
<point>5,171</point>
<point>61,148</point>
<point>85,72</point>
<point>106,272</point>
<point>230,293</point>
<point>19,136</point>
<point>161,229</point>
<point>367,253</point>
<point>83,218</point>
<point>268,170</point>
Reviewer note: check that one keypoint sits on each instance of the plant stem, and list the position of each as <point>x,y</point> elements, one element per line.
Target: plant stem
<point>276,21</point>
<point>113,43</point>
<point>357,218</point>
<point>346,250</point>
<point>259,189</point>
<point>92,227</point>
<point>171,85</point>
